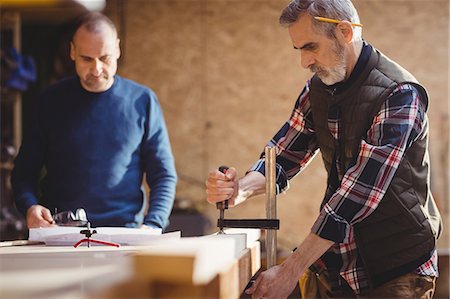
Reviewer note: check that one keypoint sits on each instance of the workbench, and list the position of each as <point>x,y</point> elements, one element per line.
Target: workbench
<point>196,267</point>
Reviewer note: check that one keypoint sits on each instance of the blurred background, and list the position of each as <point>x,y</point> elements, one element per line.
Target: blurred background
<point>227,78</point>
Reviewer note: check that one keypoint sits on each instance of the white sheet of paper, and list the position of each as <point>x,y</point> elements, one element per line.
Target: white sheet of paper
<point>69,235</point>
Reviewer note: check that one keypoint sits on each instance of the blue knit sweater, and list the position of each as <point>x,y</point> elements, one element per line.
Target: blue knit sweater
<point>95,149</point>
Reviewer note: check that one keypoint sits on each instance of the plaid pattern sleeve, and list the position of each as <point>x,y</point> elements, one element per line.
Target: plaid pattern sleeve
<point>295,143</point>
<point>396,126</point>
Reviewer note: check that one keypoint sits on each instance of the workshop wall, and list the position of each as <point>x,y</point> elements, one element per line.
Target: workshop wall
<point>227,78</point>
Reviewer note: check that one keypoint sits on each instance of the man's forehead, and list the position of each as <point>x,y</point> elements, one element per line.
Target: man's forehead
<point>302,31</point>
<point>100,30</point>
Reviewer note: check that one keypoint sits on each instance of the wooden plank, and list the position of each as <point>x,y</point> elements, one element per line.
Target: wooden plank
<point>194,260</point>
<point>229,283</point>
<point>178,269</point>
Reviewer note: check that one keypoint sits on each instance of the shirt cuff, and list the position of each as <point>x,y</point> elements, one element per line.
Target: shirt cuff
<point>330,226</point>
<point>282,183</point>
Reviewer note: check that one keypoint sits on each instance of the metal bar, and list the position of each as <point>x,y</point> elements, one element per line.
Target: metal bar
<point>249,223</point>
<point>271,205</point>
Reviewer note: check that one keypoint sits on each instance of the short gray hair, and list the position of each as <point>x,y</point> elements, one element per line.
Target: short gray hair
<point>333,9</point>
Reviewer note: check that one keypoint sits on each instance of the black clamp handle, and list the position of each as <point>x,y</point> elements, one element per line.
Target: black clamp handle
<point>223,205</point>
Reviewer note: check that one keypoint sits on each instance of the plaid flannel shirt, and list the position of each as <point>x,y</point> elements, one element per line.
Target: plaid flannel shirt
<point>396,126</point>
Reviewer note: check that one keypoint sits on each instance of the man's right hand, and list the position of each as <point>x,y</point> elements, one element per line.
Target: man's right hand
<point>220,186</point>
<point>39,216</point>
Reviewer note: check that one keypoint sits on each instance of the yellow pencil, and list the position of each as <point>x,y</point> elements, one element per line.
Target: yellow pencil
<point>322,19</point>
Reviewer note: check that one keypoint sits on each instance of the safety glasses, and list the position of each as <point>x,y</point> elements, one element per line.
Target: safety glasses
<point>68,218</point>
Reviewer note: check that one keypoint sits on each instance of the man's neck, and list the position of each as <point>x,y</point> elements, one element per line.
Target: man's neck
<point>355,50</point>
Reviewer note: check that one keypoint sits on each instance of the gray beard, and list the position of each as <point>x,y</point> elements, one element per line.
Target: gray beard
<point>335,74</point>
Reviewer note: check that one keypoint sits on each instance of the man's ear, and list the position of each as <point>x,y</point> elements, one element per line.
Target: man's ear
<point>345,31</point>
<point>72,51</point>
<point>118,48</point>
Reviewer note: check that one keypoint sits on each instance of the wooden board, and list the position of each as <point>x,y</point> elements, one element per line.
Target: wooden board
<point>170,277</point>
<point>129,271</point>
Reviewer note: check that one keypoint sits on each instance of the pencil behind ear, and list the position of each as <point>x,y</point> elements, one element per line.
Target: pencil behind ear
<point>345,29</point>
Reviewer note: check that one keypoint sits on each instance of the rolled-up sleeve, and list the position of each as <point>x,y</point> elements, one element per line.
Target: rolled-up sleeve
<point>295,144</point>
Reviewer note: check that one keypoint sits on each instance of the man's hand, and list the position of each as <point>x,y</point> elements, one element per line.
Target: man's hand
<point>39,216</point>
<point>220,186</point>
<point>278,282</point>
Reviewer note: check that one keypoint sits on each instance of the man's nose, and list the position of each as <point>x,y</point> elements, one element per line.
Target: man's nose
<point>306,60</point>
<point>97,67</point>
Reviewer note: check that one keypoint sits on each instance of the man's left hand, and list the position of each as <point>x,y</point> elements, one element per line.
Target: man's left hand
<point>277,282</point>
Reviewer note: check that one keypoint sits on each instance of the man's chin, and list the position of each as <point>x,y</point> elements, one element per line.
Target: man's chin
<point>323,76</point>
<point>97,86</point>
<point>327,81</point>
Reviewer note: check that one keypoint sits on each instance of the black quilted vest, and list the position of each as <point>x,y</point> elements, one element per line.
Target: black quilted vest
<point>400,234</point>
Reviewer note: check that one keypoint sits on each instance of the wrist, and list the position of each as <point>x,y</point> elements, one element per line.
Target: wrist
<point>242,193</point>
<point>296,264</point>
<point>253,183</point>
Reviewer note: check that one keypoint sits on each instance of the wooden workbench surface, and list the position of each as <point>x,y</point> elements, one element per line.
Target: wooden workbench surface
<point>40,271</point>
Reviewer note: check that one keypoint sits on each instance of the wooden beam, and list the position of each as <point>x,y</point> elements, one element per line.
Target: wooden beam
<point>173,282</point>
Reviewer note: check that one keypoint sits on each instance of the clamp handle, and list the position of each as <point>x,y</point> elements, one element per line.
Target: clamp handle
<point>223,204</point>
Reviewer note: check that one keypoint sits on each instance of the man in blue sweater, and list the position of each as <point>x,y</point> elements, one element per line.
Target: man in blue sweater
<point>95,135</point>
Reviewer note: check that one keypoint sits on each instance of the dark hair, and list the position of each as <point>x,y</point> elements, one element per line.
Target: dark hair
<point>92,21</point>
